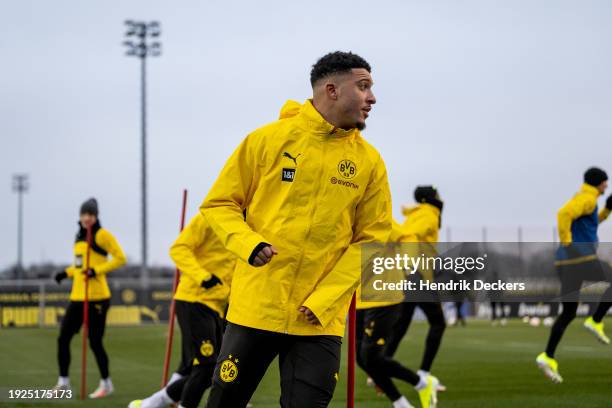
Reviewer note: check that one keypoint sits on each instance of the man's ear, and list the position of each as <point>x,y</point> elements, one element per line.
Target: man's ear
<point>331,90</point>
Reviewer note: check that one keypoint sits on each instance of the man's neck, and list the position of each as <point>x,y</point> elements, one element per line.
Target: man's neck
<point>325,112</point>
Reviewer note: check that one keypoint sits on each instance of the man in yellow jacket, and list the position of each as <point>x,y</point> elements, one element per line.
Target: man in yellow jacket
<point>103,244</point>
<point>576,262</point>
<point>314,191</point>
<point>383,318</point>
<point>421,226</point>
<point>201,300</point>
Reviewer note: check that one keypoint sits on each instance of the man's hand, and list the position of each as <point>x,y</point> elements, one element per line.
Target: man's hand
<point>212,282</point>
<point>264,256</point>
<point>91,273</point>
<point>60,276</point>
<point>310,317</point>
<point>609,202</point>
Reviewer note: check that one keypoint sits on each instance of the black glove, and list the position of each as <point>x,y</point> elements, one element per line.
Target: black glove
<point>609,202</point>
<point>60,276</point>
<point>91,273</point>
<point>213,281</point>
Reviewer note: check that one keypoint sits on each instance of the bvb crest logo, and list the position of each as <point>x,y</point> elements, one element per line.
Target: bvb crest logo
<point>228,370</point>
<point>128,296</point>
<point>207,349</point>
<point>347,169</point>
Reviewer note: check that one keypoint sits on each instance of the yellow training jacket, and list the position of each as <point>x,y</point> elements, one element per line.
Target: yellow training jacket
<point>421,226</point>
<point>104,244</point>
<point>316,193</point>
<point>422,223</point>
<point>198,254</point>
<point>583,204</point>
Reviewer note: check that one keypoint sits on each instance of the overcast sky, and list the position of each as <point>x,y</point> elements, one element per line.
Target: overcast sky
<point>501,104</point>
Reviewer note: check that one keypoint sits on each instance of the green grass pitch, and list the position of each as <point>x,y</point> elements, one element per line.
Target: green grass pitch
<point>482,366</point>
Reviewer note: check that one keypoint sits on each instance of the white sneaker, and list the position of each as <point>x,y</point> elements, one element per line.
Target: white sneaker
<point>103,390</point>
<point>62,387</point>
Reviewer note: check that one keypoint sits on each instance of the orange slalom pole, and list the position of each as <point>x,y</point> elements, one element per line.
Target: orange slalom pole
<point>172,306</point>
<point>85,317</point>
<point>350,383</point>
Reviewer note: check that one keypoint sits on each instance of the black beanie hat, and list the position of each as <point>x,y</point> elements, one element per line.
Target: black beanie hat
<point>424,194</point>
<point>595,176</point>
<point>427,194</point>
<point>90,207</point>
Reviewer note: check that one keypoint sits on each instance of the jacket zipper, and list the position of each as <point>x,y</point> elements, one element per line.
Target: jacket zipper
<point>312,211</point>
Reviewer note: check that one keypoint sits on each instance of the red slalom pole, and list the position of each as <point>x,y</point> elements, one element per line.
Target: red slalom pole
<point>85,317</point>
<point>350,383</point>
<point>172,306</point>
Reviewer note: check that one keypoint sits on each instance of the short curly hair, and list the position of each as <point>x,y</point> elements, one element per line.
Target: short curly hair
<point>336,62</point>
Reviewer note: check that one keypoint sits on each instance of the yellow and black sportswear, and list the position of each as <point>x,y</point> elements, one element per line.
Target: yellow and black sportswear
<point>103,245</point>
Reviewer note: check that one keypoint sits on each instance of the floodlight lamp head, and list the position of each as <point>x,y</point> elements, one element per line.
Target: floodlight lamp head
<point>155,49</point>
<point>131,28</point>
<point>154,29</point>
<point>131,48</point>
<point>141,29</point>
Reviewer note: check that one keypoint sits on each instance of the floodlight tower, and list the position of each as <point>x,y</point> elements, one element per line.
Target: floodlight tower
<point>142,41</point>
<point>20,186</point>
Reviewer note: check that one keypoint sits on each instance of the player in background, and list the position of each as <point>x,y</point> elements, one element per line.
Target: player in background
<point>103,244</point>
<point>201,300</point>
<point>577,262</point>
<point>420,227</point>
<point>503,320</point>
<point>375,325</point>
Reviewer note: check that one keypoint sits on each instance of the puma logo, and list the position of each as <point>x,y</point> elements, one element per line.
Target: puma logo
<point>287,155</point>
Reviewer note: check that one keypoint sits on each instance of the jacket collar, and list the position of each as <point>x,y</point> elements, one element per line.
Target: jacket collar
<point>431,208</point>
<point>421,206</point>
<point>82,233</point>
<point>315,122</point>
<point>589,189</point>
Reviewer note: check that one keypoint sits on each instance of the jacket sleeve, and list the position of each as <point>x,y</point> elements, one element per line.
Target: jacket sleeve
<point>183,250</point>
<point>230,196</point>
<point>578,206</point>
<point>603,214</point>
<point>397,233</point>
<point>372,224</point>
<point>71,270</point>
<point>420,227</point>
<point>107,241</point>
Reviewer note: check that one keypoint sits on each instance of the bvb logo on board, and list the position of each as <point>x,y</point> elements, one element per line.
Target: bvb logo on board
<point>347,169</point>
<point>128,296</point>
